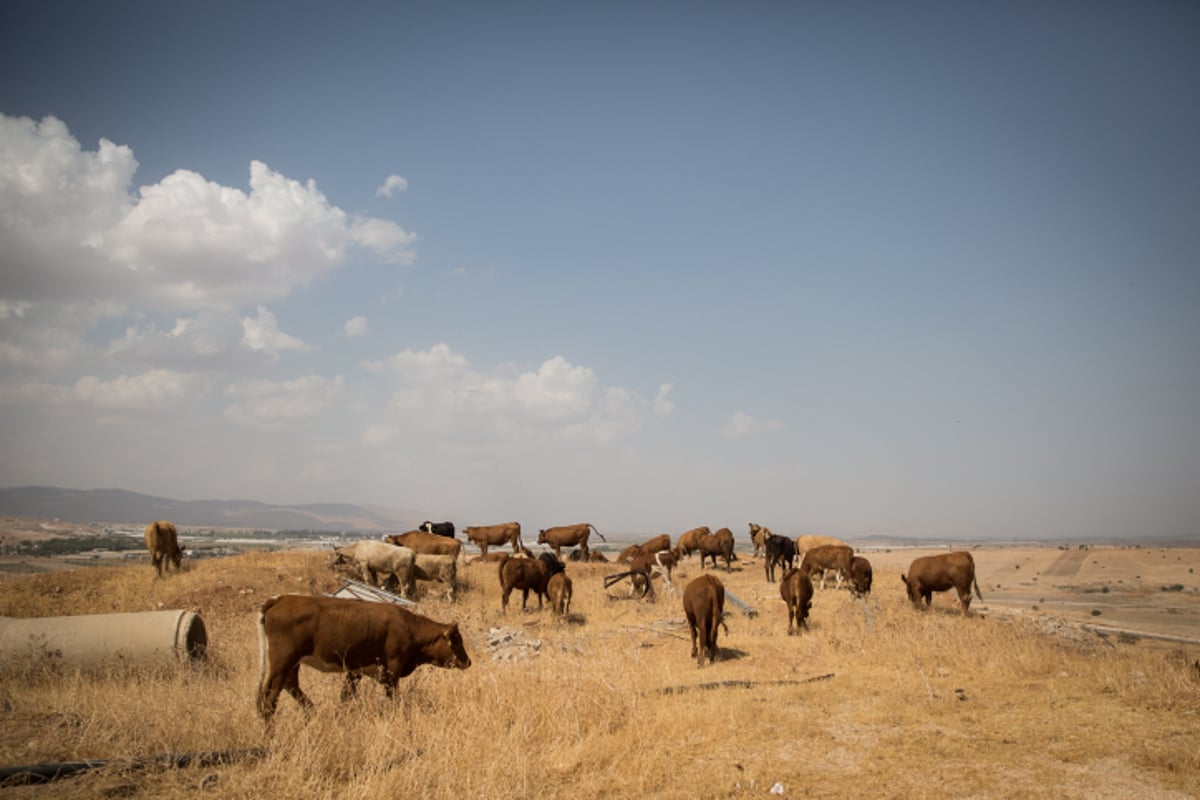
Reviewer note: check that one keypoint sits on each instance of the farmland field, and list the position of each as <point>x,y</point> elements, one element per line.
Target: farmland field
<point>874,700</point>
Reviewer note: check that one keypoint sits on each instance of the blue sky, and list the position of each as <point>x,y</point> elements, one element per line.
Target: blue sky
<point>926,269</point>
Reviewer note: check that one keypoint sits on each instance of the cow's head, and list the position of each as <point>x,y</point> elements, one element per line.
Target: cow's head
<point>426,526</point>
<point>541,537</point>
<point>911,588</point>
<point>449,651</point>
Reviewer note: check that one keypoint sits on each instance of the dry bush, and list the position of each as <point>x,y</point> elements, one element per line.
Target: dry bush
<point>920,704</point>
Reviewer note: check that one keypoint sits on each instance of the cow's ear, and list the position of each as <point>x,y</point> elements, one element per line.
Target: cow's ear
<point>453,629</point>
<point>903,579</point>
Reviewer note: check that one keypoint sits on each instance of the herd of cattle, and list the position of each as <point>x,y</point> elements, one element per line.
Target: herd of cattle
<point>388,642</point>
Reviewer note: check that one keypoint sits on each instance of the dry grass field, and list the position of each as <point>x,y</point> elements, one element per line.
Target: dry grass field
<point>875,700</point>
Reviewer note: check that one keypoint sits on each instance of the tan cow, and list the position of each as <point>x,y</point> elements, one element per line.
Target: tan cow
<point>808,541</point>
<point>796,589</point>
<point>559,589</point>
<point>930,574</point>
<point>828,557</point>
<point>687,542</point>
<point>440,568</point>
<point>484,536</point>
<point>568,536</point>
<point>758,537</point>
<point>163,543</point>
<point>427,543</point>
<point>704,607</point>
<point>380,563</point>
<point>356,637</point>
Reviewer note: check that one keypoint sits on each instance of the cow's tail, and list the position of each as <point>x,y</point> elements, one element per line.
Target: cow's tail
<point>262,648</point>
<point>975,583</point>
<point>598,533</point>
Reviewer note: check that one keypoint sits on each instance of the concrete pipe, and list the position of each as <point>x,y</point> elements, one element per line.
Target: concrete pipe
<point>97,640</point>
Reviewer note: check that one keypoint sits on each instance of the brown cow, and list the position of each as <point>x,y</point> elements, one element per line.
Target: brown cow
<point>596,557</point>
<point>652,545</point>
<point>717,544</point>
<point>808,541</point>
<point>430,544</point>
<point>163,543</point>
<point>569,536</point>
<point>559,590</point>
<point>660,563</point>
<point>704,607</point>
<point>687,542</point>
<point>484,535</point>
<point>440,568</point>
<point>527,574</point>
<point>861,576</point>
<point>796,589</point>
<point>357,637</point>
<point>930,574</point>
<point>828,556</point>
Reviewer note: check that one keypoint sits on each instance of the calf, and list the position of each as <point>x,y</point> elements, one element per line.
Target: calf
<point>440,568</point>
<point>930,574</point>
<point>861,576</point>
<point>375,559</point>
<point>162,541</point>
<point>356,637</point>
<point>796,589</point>
<point>704,607</point>
<point>778,550</point>
<point>527,574</point>
<point>828,557</point>
<point>559,589</point>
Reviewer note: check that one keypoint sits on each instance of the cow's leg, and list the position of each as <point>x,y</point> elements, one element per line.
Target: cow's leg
<point>524,598</point>
<point>483,550</point>
<point>964,600</point>
<point>291,684</point>
<point>692,627</point>
<point>156,560</point>
<point>504,600</point>
<point>350,685</point>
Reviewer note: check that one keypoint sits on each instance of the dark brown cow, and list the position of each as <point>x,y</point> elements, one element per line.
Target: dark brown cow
<point>653,545</point>
<point>704,607</point>
<point>688,542</point>
<point>163,543</point>
<point>430,544</point>
<point>357,637</point>
<point>930,574</point>
<point>559,589</point>
<point>828,556</point>
<point>796,589</point>
<point>568,536</point>
<point>597,557</point>
<point>777,550</point>
<point>527,574</point>
<point>861,576</point>
<point>717,544</point>
<point>484,535</point>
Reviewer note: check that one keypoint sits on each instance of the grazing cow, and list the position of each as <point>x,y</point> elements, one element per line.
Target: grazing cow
<point>559,590</point>
<point>779,550</point>
<point>704,607</point>
<point>568,536</point>
<point>596,557</point>
<point>653,545</point>
<point>861,576</point>
<point>527,574</point>
<point>758,537</point>
<point>796,589</point>
<point>828,557</point>
<point>930,574</point>
<point>484,535</point>
<point>688,542</point>
<point>440,568</point>
<point>427,543</point>
<point>438,528</point>
<point>806,542</point>
<point>163,543</point>
<point>375,559</point>
<point>660,563</point>
<point>717,544</point>
<point>357,637</point>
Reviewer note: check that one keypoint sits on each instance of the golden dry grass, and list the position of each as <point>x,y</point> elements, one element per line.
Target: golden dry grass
<point>918,705</point>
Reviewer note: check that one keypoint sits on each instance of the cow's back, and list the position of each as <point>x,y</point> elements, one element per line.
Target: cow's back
<point>808,541</point>
<point>428,543</point>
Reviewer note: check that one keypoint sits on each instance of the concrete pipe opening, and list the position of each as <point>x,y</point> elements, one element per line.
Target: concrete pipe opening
<point>96,640</point>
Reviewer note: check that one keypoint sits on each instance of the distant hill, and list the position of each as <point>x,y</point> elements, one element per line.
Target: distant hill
<point>121,507</point>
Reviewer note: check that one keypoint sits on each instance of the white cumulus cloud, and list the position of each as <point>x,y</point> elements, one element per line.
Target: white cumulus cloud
<point>356,326</point>
<point>274,404</point>
<point>394,183</point>
<point>743,424</point>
